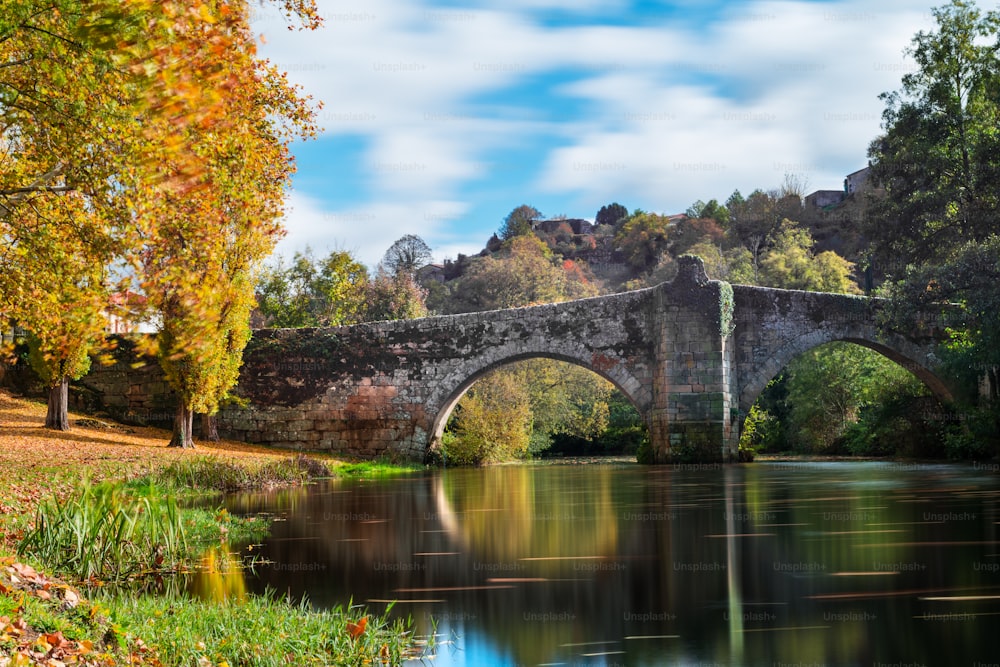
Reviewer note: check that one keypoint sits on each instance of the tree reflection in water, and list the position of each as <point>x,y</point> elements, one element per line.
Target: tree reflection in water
<point>810,563</point>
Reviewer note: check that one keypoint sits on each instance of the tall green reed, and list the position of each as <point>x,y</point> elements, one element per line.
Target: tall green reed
<point>107,532</point>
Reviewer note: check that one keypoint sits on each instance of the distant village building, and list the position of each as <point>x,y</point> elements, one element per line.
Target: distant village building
<point>824,198</point>
<point>126,314</point>
<point>857,182</point>
<point>430,273</point>
<point>854,183</point>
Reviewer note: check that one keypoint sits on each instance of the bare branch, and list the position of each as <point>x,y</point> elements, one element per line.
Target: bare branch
<point>15,63</point>
<point>16,195</point>
<point>12,192</point>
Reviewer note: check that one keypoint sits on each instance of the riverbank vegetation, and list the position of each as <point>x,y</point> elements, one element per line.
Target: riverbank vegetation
<point>100,529</point>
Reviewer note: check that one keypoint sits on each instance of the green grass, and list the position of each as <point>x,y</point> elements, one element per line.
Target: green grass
<point>125,627</point>
<point>258,631</point>
<point>116,531</point>
<point>377,468</point>
<point>209,473</point>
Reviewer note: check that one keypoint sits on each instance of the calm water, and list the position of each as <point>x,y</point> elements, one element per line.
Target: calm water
<point>617,564</point>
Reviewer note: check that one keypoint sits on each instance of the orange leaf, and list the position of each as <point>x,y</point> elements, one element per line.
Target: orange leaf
<point>56,640</point>
<point>357,629</point>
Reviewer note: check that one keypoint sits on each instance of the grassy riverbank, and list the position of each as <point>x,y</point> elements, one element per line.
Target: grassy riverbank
<point>111,503</point>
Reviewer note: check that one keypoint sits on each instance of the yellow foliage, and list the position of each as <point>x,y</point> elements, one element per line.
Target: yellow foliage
<point>494,422</point>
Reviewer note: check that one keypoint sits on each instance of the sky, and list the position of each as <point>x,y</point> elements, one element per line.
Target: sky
<point>440,117</point>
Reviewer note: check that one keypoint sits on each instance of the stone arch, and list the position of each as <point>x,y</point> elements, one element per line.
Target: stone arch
<point>914,358</point>
<point>442,403</point>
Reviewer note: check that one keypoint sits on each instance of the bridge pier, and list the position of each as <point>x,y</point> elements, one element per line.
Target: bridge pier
<point>694,388</point>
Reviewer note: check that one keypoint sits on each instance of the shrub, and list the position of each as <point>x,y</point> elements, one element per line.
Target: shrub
<point>493,423</point>
<point>209,473</point>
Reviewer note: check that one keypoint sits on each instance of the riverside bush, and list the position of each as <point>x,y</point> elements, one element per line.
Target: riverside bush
<point>209,473</point>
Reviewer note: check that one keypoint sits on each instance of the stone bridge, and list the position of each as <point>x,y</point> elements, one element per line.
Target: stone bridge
<point>691,355</point>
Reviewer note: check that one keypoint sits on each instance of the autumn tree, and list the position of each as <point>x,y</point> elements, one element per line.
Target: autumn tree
<point>790,263</point>
<point>566,400</point>
<point>334,291</point>
<point>524,273</point>
<point>68,103</point>
<point>492,422</point>
<point>206,233</point>
<point>63,293</point>
<point>394,297</point>
<point>98,104</point>
<point>690,231</point>
<point>313,293</point>
<point>643,238</point>
<point>580,282</point>
<point>67,98</point>
<point>754,222</point>
<point>734,265</point>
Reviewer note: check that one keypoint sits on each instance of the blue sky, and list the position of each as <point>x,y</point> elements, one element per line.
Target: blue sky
<point>440,117</point>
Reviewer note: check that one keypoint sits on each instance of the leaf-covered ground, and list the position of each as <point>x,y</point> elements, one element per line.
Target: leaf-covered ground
<point>38,612</point>
<point>36,463</point>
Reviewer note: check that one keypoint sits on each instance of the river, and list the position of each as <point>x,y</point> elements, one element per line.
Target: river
<point>826,563</point>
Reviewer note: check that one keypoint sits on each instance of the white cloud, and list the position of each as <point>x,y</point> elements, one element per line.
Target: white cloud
<point>799,95</point>
<point>367,232</point>
<point>771,87</point>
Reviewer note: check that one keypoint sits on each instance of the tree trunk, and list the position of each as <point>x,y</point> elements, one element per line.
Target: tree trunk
<point>183,435</point>
<point>209,428</point>
<point>57,417</point>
